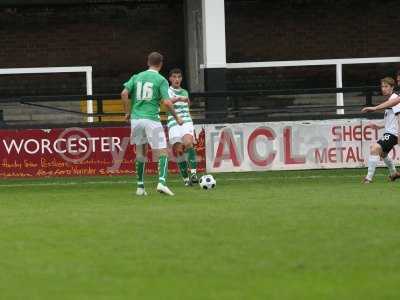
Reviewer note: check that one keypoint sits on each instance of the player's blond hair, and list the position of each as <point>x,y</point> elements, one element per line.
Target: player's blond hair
<point>388,81</point>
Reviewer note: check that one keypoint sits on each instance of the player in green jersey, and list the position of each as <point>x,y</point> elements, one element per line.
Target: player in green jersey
<point>147,90</point>
<point>182,137</point>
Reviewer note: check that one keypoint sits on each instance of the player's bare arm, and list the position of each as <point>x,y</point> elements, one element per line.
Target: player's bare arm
<point>383,105</point>
<point>127,103</point>
<point>179,99</point>
<point>170,106</point>
<point>377,126</point>
<point>186,99</point>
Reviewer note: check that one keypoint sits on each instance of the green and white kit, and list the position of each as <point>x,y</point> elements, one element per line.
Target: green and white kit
<point>176,131</point>
<point>146,90</point>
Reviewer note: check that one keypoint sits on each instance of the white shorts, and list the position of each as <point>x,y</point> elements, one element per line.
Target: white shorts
<point>145,131</point>
<point>177,132</point>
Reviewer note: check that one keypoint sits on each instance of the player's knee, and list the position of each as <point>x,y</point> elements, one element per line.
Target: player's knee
<point>188,141</point>
<point>141,158</point>
<point>178,148</point>
<point>371,147</point>
<point>140,153</point>
<point>375,149</point>
<point>163,152</point>
<point>188,145</point>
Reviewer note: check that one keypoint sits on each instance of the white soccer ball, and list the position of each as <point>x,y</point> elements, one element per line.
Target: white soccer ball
<point>207,182</point>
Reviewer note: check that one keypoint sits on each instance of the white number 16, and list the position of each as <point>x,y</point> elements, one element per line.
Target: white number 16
<point>144,91</point>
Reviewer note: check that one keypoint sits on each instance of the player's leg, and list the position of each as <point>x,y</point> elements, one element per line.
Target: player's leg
<point>138,138</point>
<point>389,141</point>
<point>181,162</point>
<point>158,142</point>
<point>393,174</point>
<point>140,168</point>
<point>163,171</point>
<point>374,156</point>
<point>188,141</point>
<point>175,135</point>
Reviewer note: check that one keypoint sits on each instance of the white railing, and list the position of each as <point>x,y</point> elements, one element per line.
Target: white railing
<point>48,70</point>
<point>318,62</point>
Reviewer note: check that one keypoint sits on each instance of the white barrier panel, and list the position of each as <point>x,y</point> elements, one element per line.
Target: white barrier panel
<point>290,145</point>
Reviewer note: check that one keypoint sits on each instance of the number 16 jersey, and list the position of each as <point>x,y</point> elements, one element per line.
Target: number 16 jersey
<point>146,90</point>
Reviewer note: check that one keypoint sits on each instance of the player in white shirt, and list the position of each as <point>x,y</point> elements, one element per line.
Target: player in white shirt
<point>390,137</point>
<point>393,101</point>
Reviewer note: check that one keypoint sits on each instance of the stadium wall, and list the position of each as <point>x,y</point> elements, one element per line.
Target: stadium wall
<point>304,30</point>
<point>115,38</point>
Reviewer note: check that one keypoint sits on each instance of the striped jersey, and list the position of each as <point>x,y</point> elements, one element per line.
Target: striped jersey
<point>181,108</point>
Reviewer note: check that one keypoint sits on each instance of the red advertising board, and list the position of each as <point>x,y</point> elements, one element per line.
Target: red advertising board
<point>77,152</point>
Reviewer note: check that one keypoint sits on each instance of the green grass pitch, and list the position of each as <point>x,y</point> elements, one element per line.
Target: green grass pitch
<point>266,235</point>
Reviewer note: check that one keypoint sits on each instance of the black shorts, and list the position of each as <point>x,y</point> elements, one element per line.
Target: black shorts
<point>387,142</point>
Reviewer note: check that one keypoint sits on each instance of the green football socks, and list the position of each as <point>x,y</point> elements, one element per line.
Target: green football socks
<point>192,158</point>
<point>162,169</point>
<point>140,173</point>
<point>183,169</point>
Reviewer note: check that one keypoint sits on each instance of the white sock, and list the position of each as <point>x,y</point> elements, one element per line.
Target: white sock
<point>389,163</point>
<point>372,162</point>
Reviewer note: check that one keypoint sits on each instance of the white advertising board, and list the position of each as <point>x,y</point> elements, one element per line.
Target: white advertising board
<point>291,145</point>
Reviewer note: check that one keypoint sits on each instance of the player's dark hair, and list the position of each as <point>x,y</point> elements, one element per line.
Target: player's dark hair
<point>175,71</point>
<point>388,80</point>
<point>154,59</point>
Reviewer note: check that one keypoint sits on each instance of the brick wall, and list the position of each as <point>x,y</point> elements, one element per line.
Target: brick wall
<point>114,39</point>
<point>284,30</point>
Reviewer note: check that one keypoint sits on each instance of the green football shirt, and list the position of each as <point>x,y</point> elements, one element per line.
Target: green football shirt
<point>181,107</point>
<point>146,90</point>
